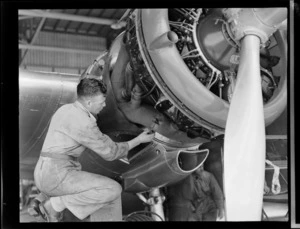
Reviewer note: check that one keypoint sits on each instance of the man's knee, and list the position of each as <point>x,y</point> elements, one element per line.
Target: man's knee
<point>113,189</point>
<point>116,190</point>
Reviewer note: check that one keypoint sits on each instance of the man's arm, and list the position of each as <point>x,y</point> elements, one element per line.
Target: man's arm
<point>89,135</point>
<point>145,136</point>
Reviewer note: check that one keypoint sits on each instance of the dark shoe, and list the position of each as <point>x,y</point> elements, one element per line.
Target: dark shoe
<point>34,208</point>
<point>48,213</point>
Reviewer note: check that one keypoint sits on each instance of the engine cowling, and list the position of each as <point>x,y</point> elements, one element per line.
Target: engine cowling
<point>184,62</point>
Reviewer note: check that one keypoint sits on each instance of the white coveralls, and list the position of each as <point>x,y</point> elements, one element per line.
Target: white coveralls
<point>71,131</point>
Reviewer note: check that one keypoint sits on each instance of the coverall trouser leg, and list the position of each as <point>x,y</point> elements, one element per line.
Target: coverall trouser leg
<point>83,193</point>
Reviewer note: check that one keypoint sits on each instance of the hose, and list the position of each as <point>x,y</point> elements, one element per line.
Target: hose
<point>141,216</point>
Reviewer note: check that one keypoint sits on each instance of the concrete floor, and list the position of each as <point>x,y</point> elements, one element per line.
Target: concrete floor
<point>26,218</point>
<point>273,211</point>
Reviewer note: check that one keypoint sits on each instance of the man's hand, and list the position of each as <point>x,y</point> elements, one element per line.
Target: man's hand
<point>146,136</point>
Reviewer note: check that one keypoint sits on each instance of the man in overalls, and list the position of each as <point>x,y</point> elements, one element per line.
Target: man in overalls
<point>58,173</point>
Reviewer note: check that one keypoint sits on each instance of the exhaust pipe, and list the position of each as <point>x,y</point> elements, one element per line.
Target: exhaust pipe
<point>154,166</point>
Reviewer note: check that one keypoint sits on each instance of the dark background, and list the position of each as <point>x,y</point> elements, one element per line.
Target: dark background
<point>10,110</point>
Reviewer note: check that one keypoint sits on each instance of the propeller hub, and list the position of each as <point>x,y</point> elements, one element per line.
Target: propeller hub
<point>215,41</point>
<point>260,22</point>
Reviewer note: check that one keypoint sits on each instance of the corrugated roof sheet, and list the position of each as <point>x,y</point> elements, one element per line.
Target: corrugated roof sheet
<point>75,27</point>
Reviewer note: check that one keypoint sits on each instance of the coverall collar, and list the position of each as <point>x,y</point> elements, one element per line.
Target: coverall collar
<point>86,110</point>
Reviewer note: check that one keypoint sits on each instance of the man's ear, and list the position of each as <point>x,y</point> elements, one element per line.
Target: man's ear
<point>88,102</point>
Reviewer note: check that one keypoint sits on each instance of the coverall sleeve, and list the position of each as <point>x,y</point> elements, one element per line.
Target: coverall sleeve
<point>89,135</point>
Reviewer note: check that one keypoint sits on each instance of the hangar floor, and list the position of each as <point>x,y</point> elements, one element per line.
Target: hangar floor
<point>271,209</point>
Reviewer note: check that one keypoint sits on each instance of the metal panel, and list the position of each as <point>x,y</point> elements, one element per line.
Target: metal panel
<point>71,41</point>
<point>40,96</point>
<point>67,70</point>
<point>67,60</point>
<point>61,59</point>
<point>39,68</point>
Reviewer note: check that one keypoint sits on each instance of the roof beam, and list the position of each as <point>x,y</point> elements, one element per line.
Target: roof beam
<point>69,17</point>
<point>24,17</point>
<point>33,39</point>
<point>69,22</point>
<point>80,24</point>
<point>59,49</point>
<point>277,137</point>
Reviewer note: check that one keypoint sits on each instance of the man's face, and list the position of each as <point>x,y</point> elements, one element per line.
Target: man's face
<point>97,103</point>
<point>199,170</point>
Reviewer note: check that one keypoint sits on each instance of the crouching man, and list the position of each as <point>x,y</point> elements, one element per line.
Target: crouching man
<point>58,173</point>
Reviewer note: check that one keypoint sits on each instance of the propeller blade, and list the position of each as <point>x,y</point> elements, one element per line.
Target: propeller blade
<point>244,144</point>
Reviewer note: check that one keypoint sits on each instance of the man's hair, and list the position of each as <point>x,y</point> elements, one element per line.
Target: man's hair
<point>88,87</point>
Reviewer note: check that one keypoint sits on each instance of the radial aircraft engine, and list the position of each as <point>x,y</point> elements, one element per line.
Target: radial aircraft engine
<point>194,77</point>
